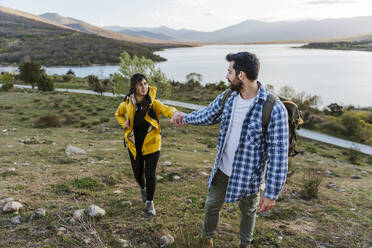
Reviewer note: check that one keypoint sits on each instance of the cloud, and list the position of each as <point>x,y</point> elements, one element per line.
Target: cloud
<point>155,15</point>
<point>210,13</point>
<point>321,2</point>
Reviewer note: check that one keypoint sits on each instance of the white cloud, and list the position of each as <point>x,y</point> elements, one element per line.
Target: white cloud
<point>155,15</point>
<point>320,2</point>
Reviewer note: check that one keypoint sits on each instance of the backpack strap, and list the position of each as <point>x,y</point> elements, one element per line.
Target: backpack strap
<point>224,98</point>
<point>266,111</point>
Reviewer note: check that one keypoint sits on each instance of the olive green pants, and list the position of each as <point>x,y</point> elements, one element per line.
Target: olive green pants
<point>216,198</point>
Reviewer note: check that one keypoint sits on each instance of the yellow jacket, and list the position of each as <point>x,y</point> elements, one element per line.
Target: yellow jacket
<point>126,111</point>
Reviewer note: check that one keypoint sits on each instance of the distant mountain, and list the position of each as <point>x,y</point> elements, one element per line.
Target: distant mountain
<point>91,29</point>
<point>157,36</point>
<point>258,31</point>
<point>25,37</point>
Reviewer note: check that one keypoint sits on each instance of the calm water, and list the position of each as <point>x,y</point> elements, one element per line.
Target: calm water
<point>337,76</point>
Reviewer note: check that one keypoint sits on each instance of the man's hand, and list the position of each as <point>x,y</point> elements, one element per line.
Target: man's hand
<point>265,204</point>
<point>177,119</point>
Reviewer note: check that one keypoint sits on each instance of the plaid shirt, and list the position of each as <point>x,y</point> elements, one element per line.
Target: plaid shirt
<point>251,154</point>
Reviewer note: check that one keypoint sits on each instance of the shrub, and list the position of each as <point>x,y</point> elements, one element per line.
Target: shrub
<point>104,119</point>
<point>335,109</point>
<point>6,86</point>
<point>353,155</point>
<point>49,120</point>
<point>71,119</point>
<point>95,85</point>
<point>45,83</point>
<point>311,186</point>
<point>70,73</point>
<point>351,123</point>
<point>66,78</point>
<point>86,183</point>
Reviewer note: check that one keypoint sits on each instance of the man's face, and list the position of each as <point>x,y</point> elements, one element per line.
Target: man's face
<point>235,82</point>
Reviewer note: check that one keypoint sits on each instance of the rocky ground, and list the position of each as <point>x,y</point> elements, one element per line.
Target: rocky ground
<point>66,181</point>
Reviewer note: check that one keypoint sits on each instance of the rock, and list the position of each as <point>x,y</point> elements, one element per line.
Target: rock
<point>331,186</point>
<point>9,171</point>
<point>12,206</point>
<point>117,191</point>
<point>124,243</point>
<point>176,178</point>
<point>189,201</point>
<point>205,161</point>
<point>91,160</point>
<point>195,151</point>
<point>78,214</point>
<point>126,203</point>
<point>166,240</point>
<point>204,174</point>
<point>38,213</point>
<point>5,201</point>
<point>167,163</point>
<point>330,173</point>
<point>16,219</point>
<point>356,176</point>
<point>158,177</point>
<point>280,237</point>
<point>206,150</point>
<point>95,211</point>
<point>74,150</point>
<point>91,144</point>
<point>352,209</point>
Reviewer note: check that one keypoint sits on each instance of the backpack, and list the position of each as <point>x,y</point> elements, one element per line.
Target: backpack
<point>294,117</point>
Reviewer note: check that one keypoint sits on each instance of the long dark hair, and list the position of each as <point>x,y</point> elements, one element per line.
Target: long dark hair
<point>134,80</point>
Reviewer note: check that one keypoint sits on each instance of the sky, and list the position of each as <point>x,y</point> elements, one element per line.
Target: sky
<point>202,15</point>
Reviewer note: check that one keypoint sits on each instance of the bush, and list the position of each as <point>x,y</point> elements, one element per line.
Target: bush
<point>95,85</point>
<point>70,73</point>
<point>45,83</point>
<point>6,86</point>
<point>311,186</point>
<point>71,119</point>
<point>66,78</point>
<point>352,124</point>
<point>49,120</point>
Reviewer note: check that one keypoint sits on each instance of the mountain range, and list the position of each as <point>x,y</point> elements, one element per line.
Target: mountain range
<point>257,31</point>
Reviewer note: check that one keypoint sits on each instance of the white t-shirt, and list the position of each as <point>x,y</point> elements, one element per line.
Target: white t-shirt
<point>233,137</point>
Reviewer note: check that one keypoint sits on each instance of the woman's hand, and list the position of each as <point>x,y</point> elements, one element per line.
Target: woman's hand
<point>126,125</point>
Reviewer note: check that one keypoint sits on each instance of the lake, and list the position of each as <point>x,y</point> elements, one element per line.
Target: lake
<point>337,76</point>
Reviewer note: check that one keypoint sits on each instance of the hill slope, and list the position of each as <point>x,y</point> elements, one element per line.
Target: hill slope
<point>24,38</point>
<point>91,29</point>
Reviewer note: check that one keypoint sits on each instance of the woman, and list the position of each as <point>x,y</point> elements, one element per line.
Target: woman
<point>139,116</point>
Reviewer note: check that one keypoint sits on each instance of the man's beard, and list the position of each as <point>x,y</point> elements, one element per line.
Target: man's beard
<point>237,85</point>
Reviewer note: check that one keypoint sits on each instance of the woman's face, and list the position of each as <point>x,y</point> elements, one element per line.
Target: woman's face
<point>142,88</point>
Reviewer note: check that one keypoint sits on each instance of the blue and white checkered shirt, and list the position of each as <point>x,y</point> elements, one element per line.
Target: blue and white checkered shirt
<point>249,160</point>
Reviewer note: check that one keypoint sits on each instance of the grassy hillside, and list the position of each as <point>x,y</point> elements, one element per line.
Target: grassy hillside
<point>46,177</point>
<point>24,39</point>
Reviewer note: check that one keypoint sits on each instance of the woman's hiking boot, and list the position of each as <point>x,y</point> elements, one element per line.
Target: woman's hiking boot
<point>150,208</point>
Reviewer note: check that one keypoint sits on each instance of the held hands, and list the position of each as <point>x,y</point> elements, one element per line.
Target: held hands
<point>177,119</point>
<point>265,204</point>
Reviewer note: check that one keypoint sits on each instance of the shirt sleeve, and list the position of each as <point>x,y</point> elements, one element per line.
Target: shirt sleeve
<point>207,115</point>
<point>277,151</point>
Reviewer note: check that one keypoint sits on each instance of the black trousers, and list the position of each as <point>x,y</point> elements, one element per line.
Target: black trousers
<point>144,166</point>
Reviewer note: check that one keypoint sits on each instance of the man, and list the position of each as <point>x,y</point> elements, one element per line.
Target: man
<point>243,148</point>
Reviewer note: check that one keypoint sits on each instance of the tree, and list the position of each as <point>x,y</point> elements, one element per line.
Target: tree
<point>70,72</point>
<point>130,66</point>
<point>30,72</point>
<point>336,109</point>
<point>193,76</point>
<point>95,84</point>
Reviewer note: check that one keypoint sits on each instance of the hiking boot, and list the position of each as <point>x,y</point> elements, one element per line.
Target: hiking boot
<point>150,208</point>
<point>143,194</point>
<point>206,243</point>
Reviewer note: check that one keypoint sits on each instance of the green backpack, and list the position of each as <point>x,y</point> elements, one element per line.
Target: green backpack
<point>294,117</point>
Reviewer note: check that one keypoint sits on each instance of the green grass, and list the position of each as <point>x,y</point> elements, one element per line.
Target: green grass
<point>46,177</point>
